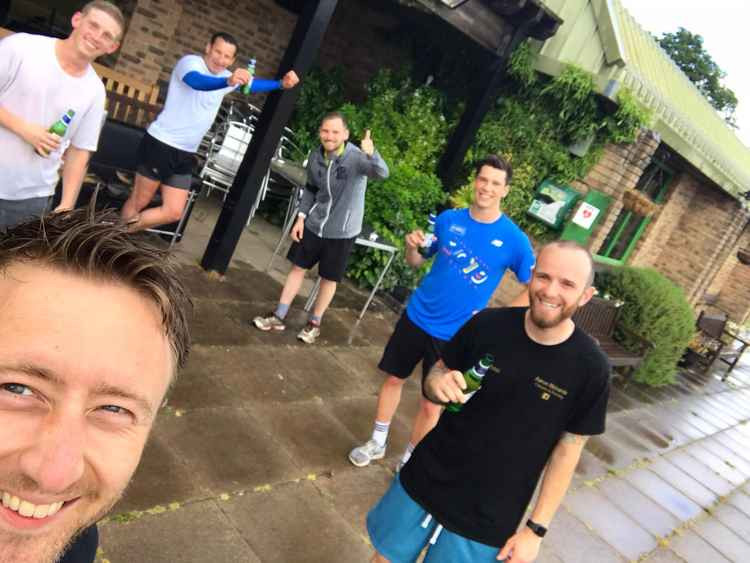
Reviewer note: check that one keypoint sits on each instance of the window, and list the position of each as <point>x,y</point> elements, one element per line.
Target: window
<point>629,225</point>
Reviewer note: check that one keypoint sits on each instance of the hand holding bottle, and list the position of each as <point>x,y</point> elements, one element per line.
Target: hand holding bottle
<point>41,139</point>
<point>447,387</point>
<point>414,239</point>
<point>240,76</point>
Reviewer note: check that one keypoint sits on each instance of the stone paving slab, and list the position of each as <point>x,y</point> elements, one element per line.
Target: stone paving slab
<point>733,519</point>
<point>677,422</point>
<point>701,472</point>
<point>731,443</point>
<point>244,284</point>
<point>354,491</point>
<point>740,501</point>
<point>657,437</point>
<point>663,555</point>
<point>714,446</point>
<point>724,540</point>
<point>641,509</point>
<point>663,493</point>
<point>615,527</point>
<point>316,440</point>
<point>196,533</point>
<point>694,549</point>
<point>717,464</point>
<point>572,542</point>
<point>295,522</point>
<point>228,449</point>
<point>687,484</point>
<point>162,477</point>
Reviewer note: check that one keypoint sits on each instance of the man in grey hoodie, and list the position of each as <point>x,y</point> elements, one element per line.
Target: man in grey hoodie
<point>329,219</point>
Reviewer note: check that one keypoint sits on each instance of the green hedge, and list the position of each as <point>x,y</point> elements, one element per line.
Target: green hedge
<point>657,309</point>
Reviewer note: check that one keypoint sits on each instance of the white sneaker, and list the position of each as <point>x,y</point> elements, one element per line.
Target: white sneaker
<point>269,323</point>
<point>310,333</point>
<point>363,455</point>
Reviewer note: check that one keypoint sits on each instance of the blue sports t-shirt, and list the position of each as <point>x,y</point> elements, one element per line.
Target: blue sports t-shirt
<point>471,258</point>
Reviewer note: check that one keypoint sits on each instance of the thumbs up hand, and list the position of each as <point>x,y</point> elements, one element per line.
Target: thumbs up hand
<point>367,145</point>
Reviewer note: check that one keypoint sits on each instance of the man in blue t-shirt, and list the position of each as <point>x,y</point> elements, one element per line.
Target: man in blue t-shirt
<point>472,250</point>
<point>166,154</point>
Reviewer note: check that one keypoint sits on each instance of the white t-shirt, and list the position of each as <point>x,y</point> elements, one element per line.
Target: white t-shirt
<point>188,113</point>
<point>34,87</point>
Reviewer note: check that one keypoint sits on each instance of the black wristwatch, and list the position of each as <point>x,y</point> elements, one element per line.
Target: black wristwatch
<point>538,529</point>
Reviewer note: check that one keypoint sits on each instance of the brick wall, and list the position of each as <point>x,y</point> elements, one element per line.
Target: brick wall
<point>702,235</point>
<point>732,283</point>
<point>148,38</point>
<point>618,169</point>
<point>665,221</point>
<point>161,31</point>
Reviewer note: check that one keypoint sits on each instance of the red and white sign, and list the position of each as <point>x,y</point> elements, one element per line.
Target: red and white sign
<point>586,215</point>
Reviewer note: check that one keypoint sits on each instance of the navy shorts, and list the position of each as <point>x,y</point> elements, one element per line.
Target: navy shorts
<point>331,254</point>
<point>400,528</point>
<point>407,346</point>
<point>159,161</point>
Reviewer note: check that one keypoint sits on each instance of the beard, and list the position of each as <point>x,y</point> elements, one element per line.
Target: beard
<point>544,322</point>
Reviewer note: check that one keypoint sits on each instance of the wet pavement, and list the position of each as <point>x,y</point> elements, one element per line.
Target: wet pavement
<point>248,463</point>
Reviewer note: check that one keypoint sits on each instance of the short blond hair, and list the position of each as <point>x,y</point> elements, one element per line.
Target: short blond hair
<point>108,8</point>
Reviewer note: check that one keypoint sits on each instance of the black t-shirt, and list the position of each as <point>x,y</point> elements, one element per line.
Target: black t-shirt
<point>83,548</point>
<point>478,468</point>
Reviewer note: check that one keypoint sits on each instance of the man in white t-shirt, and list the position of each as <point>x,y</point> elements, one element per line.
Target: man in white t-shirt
<point>41,79</point>
<point>166,154</point>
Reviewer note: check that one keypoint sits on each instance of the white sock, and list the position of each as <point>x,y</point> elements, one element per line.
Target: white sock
<point>380,432</point>
<point>407,453</point>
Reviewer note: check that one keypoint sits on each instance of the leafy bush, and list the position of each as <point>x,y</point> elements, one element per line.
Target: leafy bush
<point>409,130</point>
<point>656,309</point>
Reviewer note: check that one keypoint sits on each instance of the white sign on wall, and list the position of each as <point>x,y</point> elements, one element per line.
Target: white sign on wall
<point>586,215</point>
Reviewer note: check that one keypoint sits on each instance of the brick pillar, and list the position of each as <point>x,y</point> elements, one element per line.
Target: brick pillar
<point>618,169</point>
<point>147,39</point>
<point>732,282</point>
<point>665,221</point>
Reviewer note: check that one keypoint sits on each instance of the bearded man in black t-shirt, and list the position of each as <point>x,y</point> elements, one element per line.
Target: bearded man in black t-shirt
<point>469,482</point>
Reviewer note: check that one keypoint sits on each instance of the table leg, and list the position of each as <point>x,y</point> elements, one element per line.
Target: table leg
<point>377,285</point>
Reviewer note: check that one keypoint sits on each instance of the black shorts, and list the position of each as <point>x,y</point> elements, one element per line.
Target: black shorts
<point>407,345</point>
<point>170,166</point>
<point>331,254</point>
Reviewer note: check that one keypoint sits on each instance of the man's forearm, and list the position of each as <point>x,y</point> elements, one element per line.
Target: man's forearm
<point>557,477</point>
<point>74,171</point>
<point>413,257</point>
<point>11,121</point>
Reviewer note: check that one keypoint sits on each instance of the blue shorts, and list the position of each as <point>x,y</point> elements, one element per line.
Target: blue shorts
<point>400,528</point>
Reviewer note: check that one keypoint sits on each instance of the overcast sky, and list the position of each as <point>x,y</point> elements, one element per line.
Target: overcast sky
<point>723,24</point>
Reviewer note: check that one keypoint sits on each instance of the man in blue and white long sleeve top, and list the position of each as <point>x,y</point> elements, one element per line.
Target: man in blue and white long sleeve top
<point>165,158</point>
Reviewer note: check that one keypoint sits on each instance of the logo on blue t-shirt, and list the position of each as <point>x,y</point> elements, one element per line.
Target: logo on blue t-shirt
<point>470,261</point>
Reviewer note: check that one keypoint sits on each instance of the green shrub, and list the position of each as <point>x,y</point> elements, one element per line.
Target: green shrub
<point>656,309</point>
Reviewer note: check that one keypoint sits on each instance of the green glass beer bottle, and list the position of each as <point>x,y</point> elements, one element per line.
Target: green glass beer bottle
<point>251,70</point>
<point>60,126</point>
<point>473,378</point>
<point>429,236</point>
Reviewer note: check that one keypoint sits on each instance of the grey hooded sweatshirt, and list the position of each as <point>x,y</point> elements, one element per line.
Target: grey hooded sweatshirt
<point>333,200</point>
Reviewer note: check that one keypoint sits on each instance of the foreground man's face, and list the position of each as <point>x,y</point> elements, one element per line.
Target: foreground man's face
<point>84,366</point>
